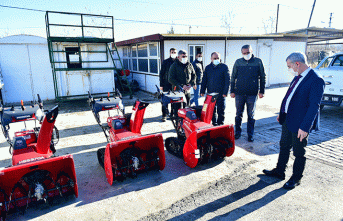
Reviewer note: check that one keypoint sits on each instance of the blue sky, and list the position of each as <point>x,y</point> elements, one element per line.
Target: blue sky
<point>204,17</point>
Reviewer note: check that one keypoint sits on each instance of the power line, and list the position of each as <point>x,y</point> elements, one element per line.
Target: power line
<point>118,19</point>
<point>294,7</point>
<point>28,9</point>
<point>164,23</point>
<point>22,28</point>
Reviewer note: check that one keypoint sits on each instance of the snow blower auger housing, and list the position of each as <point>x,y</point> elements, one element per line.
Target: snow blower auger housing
<point>36,175</point>
<point>198,141</point>
<point>128,152</point>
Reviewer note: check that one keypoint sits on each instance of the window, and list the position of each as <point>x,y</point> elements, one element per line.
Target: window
<point>134,65</point>
<point>145,57</point>
<point>338,61</point>
<point>193,50</point>
<point>143,65</point>
<point>126,58</point>
<point>153,49</point>
<point>326,63</point>
<point>143,50</point>
<point>134,51</point>
<point>126,63</point>
<point>73,57</point>
<point>153,66</point>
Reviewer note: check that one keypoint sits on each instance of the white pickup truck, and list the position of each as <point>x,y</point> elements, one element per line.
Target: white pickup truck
<point>331,68</point>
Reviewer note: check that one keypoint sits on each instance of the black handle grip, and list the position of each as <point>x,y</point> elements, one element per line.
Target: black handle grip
<point>40,102</point>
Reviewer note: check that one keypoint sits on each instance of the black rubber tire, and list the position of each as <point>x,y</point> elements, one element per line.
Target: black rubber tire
<point>174,147</point>
<point>101,156</point>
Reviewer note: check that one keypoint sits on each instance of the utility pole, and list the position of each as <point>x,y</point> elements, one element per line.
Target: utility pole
<point>314,3</point>
<point>330,20</point>
<point>277,17</point>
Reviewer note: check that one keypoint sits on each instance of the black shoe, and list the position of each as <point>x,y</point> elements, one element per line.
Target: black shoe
<point>291,183</point>
<point>163,119</point>
<point>237,136</point>
<point>251,139</point>
<point>274,173</point>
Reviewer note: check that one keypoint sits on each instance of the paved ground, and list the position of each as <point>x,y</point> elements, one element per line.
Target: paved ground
<point>231,189</point>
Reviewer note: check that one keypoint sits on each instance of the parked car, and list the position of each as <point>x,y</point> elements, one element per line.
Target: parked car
<point>331,68</point>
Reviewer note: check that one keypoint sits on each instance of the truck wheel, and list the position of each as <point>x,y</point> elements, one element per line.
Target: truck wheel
<point>321,106</point>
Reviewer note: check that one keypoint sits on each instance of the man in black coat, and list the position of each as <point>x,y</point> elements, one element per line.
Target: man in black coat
<point>181,73</point>
<point>199,70</point>
<point>216,79</point>
<point>248,79</point>
<point>165,86</point>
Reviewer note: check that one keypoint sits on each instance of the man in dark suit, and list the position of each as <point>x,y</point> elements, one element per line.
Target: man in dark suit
<point>165,86</point>
<point>298,116</point>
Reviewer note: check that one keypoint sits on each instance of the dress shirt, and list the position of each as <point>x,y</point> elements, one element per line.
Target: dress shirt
<point>295,88</point>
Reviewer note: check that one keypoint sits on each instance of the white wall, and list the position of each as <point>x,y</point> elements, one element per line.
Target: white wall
<point>209,47</point>
<point>26,69</point>
<point>280,51</point>
<point>273,53</point>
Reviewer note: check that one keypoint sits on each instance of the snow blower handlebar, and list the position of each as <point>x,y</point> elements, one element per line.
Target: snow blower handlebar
<point>40,102</point>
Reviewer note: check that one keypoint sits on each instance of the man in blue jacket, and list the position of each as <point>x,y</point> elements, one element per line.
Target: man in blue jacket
<point>299,114</point>
<point>216,79</point>
<point>248,79</point>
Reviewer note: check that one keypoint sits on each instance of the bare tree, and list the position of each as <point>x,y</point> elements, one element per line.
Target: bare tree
<point>269,24</point>
<point>100,22</point>
<point>5,33</point>
<point>227,21</point>
<point>171,31</point>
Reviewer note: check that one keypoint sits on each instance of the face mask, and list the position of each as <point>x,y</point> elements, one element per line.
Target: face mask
<point>199,59</point>
<point>173,56</point>
<point>216,62</point>
<point>184,60</point>
<point>247,56</point>
<point>292,72</point>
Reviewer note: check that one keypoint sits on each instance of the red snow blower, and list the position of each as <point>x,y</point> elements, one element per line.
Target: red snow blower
<point>128,152</point>
<point>36,175</point>
<point>198,141</point>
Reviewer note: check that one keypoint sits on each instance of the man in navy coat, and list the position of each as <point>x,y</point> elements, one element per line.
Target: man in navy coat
<point>216,79</point>
<point>299,115</point>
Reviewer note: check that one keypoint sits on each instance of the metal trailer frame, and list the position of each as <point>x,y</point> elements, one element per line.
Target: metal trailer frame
<point>54,40</point>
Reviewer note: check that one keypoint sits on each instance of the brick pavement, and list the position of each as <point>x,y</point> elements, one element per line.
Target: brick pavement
<point>325,145</point>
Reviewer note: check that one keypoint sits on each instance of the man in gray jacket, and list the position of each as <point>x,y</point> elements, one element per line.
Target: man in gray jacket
<point>248,79</point>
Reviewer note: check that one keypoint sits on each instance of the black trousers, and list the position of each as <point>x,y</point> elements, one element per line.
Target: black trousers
<point>188,98</point>
<point>219,111</point>
<point>287,141</point>
<point>166,88</point>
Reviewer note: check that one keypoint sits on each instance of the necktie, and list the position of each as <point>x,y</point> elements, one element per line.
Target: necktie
<point>290,89</point>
